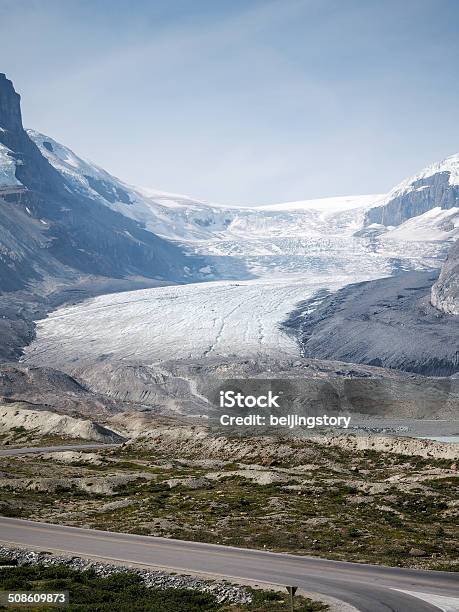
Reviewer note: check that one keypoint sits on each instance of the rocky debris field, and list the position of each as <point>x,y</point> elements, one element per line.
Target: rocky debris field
<point>188,386</point>
<point>48,389</point>
<point>172,435</point>
<point>390,444</point>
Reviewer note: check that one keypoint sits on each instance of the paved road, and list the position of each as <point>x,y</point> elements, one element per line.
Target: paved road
<point>7,452</point>
<point>369,588</point>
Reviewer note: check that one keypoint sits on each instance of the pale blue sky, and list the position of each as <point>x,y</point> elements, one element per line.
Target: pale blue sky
<point>241,102</point>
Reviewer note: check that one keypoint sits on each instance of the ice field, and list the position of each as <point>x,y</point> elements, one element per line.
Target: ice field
<point>176,322</point>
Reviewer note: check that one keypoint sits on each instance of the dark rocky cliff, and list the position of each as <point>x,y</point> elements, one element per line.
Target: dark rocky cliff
<point>10,106</point>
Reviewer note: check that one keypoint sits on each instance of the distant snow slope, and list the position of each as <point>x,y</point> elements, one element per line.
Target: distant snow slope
<point>326,205</point>
<point>435,224</point>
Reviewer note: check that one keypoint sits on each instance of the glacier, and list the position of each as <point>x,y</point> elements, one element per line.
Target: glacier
<point>289,252</point>
<point>220,318</point>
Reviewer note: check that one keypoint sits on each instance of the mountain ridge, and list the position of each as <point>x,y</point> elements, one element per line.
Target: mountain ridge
<point>184,219</point>
<point>49,229</point>
<point>248,242</point>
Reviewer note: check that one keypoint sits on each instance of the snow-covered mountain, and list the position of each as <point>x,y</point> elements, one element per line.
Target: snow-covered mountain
<point>425,206</point>
<point>184,219</point>
<point>62,217</point>
<point>88,220</point>
<point>181,218</point>
<point>292,237</point>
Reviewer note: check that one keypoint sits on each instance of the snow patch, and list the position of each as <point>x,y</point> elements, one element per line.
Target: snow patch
<point>7,168</point>
<point>435,224</point>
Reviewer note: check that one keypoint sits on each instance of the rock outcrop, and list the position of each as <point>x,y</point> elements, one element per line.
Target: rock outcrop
<point>10,109</point>
<point>445,292</point>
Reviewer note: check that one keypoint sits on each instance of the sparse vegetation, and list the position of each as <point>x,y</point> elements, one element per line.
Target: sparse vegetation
<point>355,506</point>
<point>126,591</point>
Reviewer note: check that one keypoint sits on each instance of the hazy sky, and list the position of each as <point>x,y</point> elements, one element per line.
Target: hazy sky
<point>241,101</point>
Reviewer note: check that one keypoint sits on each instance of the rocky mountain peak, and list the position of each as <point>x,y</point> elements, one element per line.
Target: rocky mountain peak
<point>32,169</point>
<point>10,106</point>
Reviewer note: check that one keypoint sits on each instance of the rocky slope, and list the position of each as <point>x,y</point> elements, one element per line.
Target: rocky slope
<point>388,322</point>
<point>445,292</point>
